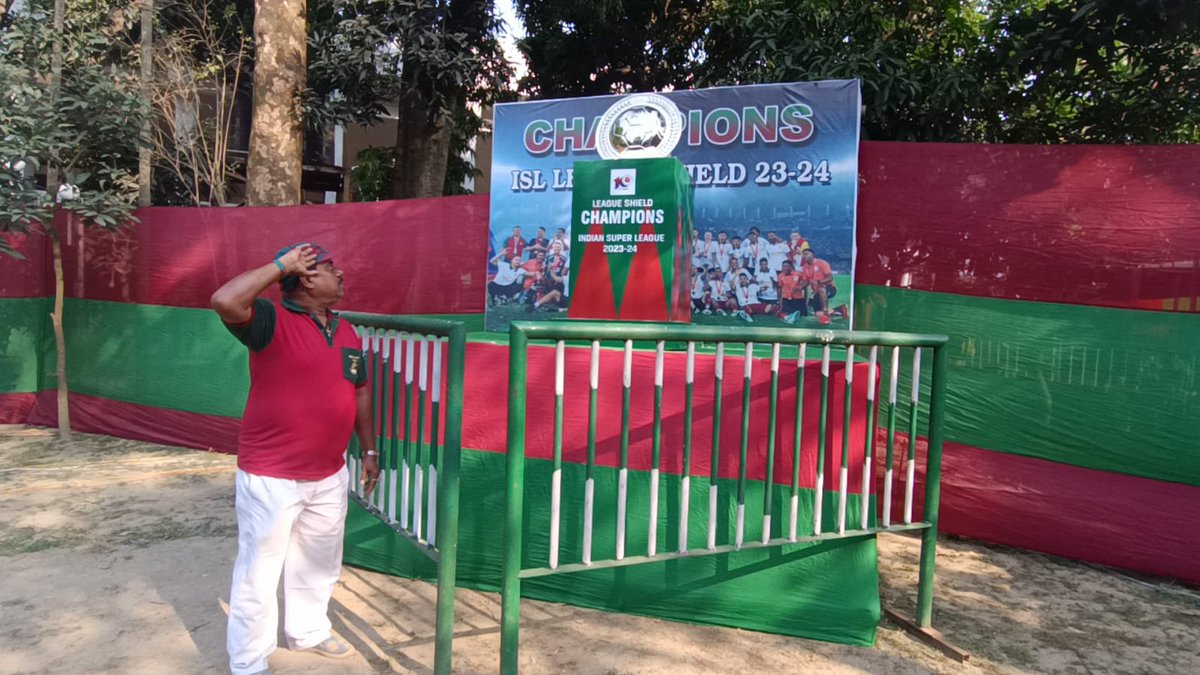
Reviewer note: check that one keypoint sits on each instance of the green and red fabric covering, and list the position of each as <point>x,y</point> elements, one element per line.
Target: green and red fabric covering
<point>1039,262</point>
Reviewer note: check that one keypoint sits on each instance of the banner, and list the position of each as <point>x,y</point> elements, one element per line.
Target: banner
<point>775,173</point>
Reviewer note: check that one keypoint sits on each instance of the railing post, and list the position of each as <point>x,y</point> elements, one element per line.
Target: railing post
<point>510,589</point>
<point>448,501</point>
<point>933,486</point>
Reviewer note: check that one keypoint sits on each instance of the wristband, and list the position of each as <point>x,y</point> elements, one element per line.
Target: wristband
<point>279,265</point>
<point>372,453</point>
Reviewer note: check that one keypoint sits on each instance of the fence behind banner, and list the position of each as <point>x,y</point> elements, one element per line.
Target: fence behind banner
<point>574,502</point>
<point>416,377</point>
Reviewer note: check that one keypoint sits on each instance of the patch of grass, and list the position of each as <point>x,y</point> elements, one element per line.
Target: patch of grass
<point>168,529</point>
<point>22,540</point>
<point>1016,655</point>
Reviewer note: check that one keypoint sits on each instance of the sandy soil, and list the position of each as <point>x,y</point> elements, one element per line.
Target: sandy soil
<point>115,558</point>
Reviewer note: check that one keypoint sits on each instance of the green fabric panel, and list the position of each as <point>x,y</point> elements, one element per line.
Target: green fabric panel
<point>26,345</point>
<point>168,357</point>
<point>1109,389</point>
<point>827,591</point>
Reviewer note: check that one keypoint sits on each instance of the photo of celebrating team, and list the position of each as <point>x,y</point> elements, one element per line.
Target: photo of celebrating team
<point>761,276</point>
<point>747,276</point>
<point>531,273</point>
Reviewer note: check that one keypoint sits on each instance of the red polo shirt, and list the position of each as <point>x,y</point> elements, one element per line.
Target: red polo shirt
<point>301,408</point>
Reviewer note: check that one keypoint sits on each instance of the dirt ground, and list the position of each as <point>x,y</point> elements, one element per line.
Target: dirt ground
<point>115,557</point>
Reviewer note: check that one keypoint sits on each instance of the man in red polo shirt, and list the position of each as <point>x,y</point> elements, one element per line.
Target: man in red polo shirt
<point>308,393</point>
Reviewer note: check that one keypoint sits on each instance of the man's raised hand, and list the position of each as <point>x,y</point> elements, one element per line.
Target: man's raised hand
<point>298,261</point>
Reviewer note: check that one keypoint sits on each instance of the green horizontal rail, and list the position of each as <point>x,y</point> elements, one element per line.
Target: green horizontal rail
<point>606,330</point>
<point>531,572</point>
<point>406,324</point>
<point>421,545</point>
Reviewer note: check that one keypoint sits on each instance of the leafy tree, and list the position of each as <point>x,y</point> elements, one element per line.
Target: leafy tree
<point>1044,71</point>
<point>432,56</point>
<point>594,47</point>
<point>71,111</point>
<point>915,59</point>
<point>372,174</point>
<point>203,60</point>
<point>1109,71</point>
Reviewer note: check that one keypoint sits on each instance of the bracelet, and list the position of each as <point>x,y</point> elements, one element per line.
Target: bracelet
<point>372,453</point>
<point>279,265</point>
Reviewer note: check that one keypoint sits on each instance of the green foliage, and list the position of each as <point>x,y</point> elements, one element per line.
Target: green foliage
<point>87,130</point>
<point>1041,71</point>
<point>594,47</point>
<point>1113,71</point>
<point>468,126</point>
<point>363,54</point>
<point>203,69</point>
<point>914,58</point>
<point>372,174</point>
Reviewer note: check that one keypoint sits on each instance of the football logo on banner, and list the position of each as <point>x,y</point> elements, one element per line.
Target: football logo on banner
<point>641,125</point>
<point>623,182</point>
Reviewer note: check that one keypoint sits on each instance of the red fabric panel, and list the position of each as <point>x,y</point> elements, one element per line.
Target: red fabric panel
<point>140,422</point>
<point>1134,523</point>
<point>32,277</point>
<point>14,408</point>
<point>418,256</point>
<point>1116,226</point>
<point>485,413</point>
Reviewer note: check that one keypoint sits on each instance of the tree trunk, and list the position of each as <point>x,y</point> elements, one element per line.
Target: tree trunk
<point>422,149</point>
<point>60,10</point>
<point>60,343</point>
<point>276,129</point>
<point>144,165</point>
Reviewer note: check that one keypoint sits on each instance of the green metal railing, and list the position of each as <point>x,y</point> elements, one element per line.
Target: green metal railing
<point>412,362</point>
<point>771,342</point>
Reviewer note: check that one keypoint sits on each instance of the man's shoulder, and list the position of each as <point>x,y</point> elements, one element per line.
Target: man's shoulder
<point>257,331</point>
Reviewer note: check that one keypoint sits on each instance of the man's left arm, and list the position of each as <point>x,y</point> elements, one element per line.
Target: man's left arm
<point>364,426</point>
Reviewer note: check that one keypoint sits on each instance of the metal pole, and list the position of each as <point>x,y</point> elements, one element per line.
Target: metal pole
<point>747,367</point>
<point>656,454</point>
<point>560,349</point>
<point>843,470</point>
<point>623,471</point>
<point>418,523</point>
<point>772,416</point>
<point>793,517</point>
<point>822,442</point>
<point>685,482</point>
<point>718,376</point>
<point>933,487</point>
<point>448,502</point>
<point>869,444</point>
<point>514,497</point>
<point>589,483</point>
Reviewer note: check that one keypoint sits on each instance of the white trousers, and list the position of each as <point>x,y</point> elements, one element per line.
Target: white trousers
<point>293,527</point>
